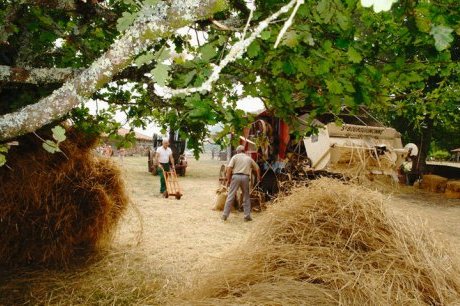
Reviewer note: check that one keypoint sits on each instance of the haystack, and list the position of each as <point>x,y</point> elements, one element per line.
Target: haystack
<point>453,190</point>
<point>332,243</point>
<point>434,183</point>
<point>56,208</point>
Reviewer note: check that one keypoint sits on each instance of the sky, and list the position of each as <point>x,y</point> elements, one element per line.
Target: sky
<point>248,104</point>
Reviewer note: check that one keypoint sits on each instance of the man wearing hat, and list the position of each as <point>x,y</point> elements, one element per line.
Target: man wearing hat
<point>238,172</point>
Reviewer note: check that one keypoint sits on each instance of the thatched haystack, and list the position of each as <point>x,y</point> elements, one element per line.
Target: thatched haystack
<point>332,243</point>
<point>54,208</point>
<point>434,183</point>
<point>453,190</point>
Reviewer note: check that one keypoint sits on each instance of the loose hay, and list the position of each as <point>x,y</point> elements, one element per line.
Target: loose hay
<point>434,183</point>
<point>332,243</point>
<point>453,190</point>
<point>53,208</point>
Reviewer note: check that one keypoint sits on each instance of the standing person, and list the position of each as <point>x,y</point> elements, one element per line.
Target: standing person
<point>121,154</point>
<point>238,172</point>
<point>164,156</point>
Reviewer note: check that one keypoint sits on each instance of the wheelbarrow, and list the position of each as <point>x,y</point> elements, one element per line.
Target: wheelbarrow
<point>172,184</point>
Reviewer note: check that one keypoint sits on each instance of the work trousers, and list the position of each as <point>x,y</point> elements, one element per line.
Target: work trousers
<point>162,177</point>
<point>243,182</point>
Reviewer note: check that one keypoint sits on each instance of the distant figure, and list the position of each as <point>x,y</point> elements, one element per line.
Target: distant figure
<point>121,154</point>
<point>108,152</point>
<point>238,172</point>
<point>213,151</point>
<point>164,157</point>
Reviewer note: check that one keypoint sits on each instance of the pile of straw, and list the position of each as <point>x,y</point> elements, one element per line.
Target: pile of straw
<point>453,190</point>
<point>434,183</point>
<point>56,208</point>
<point>359,161</point>
<point>332,243</point>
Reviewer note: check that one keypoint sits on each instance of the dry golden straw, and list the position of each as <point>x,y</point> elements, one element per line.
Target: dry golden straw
<point>453,190</point>
<point>55,208</point>
<point>332,243</point>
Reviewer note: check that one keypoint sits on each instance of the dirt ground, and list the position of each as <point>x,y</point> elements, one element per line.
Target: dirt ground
<point>163,244</point>
<point>182,236</point>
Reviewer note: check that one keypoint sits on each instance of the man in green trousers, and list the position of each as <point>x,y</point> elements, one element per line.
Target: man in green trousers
<point>164,157</point>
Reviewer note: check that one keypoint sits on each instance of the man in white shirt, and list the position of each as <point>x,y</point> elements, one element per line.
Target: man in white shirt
<point>239,169</point>
<point>164,157</point>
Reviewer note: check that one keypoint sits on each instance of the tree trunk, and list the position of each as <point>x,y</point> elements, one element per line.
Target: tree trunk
<point>419,163</point>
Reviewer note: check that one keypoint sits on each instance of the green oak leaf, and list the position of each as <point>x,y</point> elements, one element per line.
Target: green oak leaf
<point>161,74</point>
<point>187,78</point>
<point>151,2</point>
<point>50,146</point>
<point>208,52</point>
<point>291,39</point>
<point>2,160</point>
<point>442,36</point>
<point>58,133</point>
<point>125,21</point>
<point>265,35</point>
<point>253,49</point>
<point>162,55</point>
<point>308,38</point>
<point>354,55</point>
<point>322,67</point>
<point>144,59</point>
<point>334,86</point>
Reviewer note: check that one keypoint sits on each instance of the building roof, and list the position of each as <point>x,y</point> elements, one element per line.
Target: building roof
<point>138,136</point>
<point>456,150</point>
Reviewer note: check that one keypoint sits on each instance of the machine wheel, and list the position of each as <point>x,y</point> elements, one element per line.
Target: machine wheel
<point>181,171</point>
<point>150,161</point>
<point>178,196</point>
<point>166,194</point>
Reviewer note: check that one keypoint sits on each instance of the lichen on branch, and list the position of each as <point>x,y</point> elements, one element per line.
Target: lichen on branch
<point>236,51</point>
<point>154,22</point>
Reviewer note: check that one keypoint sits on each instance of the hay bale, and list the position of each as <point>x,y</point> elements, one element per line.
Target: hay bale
<point>332,243</point>
<point>453,190</point>
<point>434,183</point>
<point>221,197</point>
<point>56,209</point>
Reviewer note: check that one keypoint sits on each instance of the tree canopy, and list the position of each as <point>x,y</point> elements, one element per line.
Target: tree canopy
<point>401,63</point>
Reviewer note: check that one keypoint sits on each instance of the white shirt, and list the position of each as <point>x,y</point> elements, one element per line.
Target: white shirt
<point>412,148</point>
<point>164,154</point>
